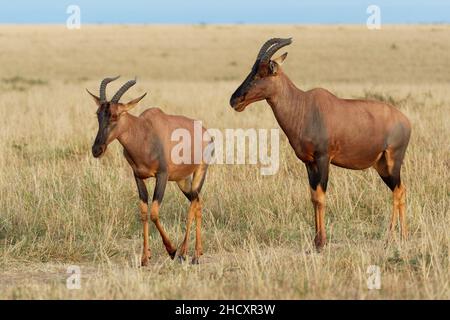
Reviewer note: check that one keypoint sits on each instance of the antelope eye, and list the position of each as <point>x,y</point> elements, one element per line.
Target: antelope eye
<point>114,117</point>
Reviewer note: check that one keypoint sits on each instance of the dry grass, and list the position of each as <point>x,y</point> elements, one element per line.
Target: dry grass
<point>59,206</point>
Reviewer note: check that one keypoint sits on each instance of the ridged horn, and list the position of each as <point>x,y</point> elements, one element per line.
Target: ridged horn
<point>266,46</point>
<point>103,87</point>
<point>280,43</point>
<point>122,90</point>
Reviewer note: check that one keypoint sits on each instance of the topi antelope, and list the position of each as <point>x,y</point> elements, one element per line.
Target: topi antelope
<point>147,146</point>
<point>324,129</point>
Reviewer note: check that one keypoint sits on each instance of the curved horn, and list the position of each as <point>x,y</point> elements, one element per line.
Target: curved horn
<point>266,46</point>
<point>103,87</point>
<point>280,44</point>
<point>122,90</point>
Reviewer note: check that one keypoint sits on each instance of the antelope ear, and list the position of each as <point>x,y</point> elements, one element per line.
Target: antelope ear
<point>275,63</point>
<point>96,99</point>
<point>280,59</point>
<point>130,105</point>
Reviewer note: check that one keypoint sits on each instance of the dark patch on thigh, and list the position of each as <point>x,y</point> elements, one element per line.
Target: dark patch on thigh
<point>391,181</point>
<point>191,196</point>
<point>398,137</point>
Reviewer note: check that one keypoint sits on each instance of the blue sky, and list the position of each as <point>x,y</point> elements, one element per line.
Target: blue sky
<point>231,11</point>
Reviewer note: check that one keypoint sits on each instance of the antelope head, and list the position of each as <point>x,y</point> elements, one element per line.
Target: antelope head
<point>259,83</point>
<point>109,115</point>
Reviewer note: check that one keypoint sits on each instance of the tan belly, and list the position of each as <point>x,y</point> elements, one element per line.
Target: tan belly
<point>181,172</point>
<point>356,161</point>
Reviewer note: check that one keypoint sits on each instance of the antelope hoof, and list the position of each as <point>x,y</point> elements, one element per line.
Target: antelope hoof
<point>389,239</point>
<point>172,253</point>
<point>195,260</point>
<point>144,261</point>
<point>404,236</point>
<point>319,243</point>
<point>181,259</point>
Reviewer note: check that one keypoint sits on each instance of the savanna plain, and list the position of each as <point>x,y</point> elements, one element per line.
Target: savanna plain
<point>60,207</point>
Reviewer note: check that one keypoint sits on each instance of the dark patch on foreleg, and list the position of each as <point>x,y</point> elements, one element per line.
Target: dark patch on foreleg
<point>318,180</point>
<point>160,187</point>
<point>143,196</point>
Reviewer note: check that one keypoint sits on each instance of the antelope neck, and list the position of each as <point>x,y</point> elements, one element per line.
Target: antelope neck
<point>288,105</point>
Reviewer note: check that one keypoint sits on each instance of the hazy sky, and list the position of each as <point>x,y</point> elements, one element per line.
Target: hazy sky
<point>231,11</point>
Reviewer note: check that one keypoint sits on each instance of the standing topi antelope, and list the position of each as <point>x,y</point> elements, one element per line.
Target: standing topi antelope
<point>147,146</point>
<point>324,129</point>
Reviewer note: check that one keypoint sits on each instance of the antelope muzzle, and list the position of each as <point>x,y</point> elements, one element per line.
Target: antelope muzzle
<point>98,150</point>
<point>99,146</point>
<point>237,103</point>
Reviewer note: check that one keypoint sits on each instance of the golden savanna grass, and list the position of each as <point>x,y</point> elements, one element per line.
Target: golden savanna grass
<point>60,207</point>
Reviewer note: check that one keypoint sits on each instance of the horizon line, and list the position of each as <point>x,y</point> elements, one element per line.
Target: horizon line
<point>222,23</point>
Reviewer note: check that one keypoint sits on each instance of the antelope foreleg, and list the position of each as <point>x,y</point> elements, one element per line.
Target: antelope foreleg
<point>161,181</point>
<point>318,200</point>
<point>143,196</point>
<point>318,180</point>
<point>144,219</point>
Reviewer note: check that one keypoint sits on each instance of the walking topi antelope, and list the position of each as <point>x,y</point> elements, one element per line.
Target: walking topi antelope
<point>324,129</point>
<point>147,146</point>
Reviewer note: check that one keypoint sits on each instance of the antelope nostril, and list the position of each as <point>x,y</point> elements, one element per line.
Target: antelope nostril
<point>234,101</point>
<point>97,150</point>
